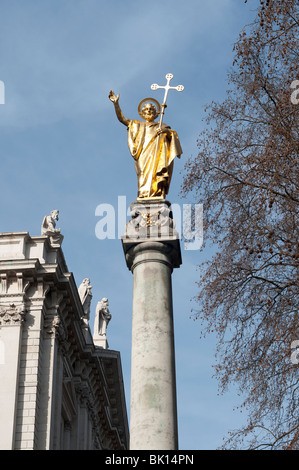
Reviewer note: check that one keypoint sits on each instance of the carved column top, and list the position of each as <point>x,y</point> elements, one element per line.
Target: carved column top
<point>12,314</point>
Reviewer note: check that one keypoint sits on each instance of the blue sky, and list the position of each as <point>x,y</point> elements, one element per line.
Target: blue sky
<point>63,148</point>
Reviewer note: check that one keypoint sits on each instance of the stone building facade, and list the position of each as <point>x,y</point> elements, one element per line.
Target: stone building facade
<point>58,390</point>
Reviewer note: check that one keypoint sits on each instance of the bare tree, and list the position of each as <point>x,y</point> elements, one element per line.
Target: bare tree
<point>246,175</point>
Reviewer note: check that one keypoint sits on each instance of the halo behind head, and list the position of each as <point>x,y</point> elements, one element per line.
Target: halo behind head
<point>151,101</point>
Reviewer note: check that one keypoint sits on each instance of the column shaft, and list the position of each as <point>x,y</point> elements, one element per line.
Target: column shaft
<point>153,386</point>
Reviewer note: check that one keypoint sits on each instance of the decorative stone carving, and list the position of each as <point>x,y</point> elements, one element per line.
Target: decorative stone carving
<point>55,328</point>
<point>85,296</point>
<point>150,220</point>
<point>14,283</point>
<point>52,325</point>
<point>48,228</point>
<point>12,314</point>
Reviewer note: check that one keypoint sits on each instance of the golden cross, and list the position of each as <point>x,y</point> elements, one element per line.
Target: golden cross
<point>167,87</point>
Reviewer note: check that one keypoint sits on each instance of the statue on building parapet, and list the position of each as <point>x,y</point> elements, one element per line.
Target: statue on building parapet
<point>153,145</point>
<point>103,317</point>
<point>85,297</point>
<point>49,229</point>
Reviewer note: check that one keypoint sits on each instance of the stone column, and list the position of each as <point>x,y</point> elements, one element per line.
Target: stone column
<point>151,257</point>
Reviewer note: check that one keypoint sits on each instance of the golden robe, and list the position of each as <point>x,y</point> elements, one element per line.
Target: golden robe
<point>154,156</point>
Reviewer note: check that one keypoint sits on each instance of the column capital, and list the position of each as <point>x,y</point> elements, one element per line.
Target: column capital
<point>12,314</point>
<point>151,230</point>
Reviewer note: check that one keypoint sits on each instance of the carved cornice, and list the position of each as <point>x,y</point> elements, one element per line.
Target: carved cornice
<point>12,314</point>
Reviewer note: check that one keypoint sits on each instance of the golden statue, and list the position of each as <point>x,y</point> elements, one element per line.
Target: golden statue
<point>153,145</point>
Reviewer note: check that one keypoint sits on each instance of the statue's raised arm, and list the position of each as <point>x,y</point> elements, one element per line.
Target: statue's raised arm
<point>118,111</point>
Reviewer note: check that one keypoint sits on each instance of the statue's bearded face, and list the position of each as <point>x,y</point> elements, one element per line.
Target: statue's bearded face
<point>149,112</point>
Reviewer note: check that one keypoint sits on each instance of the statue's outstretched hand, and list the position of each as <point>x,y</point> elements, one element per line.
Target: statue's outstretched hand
<point>113,97</point>
<point>119,114</point>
